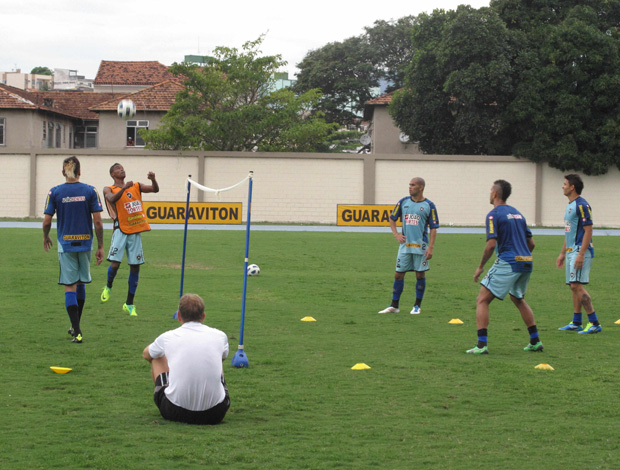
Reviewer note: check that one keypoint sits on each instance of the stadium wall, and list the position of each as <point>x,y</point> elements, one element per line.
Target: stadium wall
<point>306,188</point>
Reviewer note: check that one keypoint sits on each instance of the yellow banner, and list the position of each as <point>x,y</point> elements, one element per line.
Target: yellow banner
<point>367,215</point>
<point>199,212</point>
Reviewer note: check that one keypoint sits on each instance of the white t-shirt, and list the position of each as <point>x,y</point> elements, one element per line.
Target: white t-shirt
<point>195,353</point>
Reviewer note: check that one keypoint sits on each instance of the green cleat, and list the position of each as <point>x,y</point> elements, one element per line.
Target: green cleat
<point>477,350</point>
<point>538,347</point>
<point>105,295</point>
<point>130,309</point>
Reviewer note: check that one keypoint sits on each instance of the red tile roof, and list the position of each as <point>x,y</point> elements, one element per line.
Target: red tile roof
<point>73,104</point>
<point>155,98</point>
<point>131,73</point>
<point>382,100</point>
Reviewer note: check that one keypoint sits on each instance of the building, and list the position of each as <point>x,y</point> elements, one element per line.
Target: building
<point>88,119</point>
<point>385,137</point>
<point>27,81</point>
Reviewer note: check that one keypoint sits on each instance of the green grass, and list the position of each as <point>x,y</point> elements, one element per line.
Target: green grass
<point>423,404</point>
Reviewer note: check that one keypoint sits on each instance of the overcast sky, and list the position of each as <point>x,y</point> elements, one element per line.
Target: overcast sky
<point>79,34</point>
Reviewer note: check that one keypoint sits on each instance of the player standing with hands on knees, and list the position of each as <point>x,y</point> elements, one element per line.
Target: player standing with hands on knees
<point>76,205</point>
<point>418,215</point>
<point>124,203</point>
<point>577,253</point>
<point>508,236</point>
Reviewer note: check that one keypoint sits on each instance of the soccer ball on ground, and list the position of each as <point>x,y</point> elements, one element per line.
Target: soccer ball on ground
<point>253,270</point>
<point>126,109</point>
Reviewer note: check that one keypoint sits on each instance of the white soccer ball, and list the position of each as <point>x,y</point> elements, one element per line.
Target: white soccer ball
<point>126,109</point>
<point>253,270</point>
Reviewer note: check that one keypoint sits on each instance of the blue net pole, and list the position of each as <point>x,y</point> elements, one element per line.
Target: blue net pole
<point>240,359</point>
<point>189,185</point>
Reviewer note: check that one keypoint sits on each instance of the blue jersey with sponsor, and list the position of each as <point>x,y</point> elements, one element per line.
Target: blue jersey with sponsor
<point>73,203</point>
<point>508,226</point>
<point>577,215</point>
<point>417,219</point>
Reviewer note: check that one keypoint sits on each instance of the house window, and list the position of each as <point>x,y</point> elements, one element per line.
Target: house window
<point>59,129</point>
<point>132,133</point>
<point>2,131</point>
<point>85,137</point>
<point>50,134</point>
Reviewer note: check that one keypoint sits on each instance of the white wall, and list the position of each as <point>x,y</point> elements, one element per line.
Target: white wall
<point>306,188</point>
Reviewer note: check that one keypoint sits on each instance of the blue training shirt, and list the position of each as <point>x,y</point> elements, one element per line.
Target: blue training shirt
<point>73,203</point>
<point>577,215</point>
<point>417,219</point>
<point>508,226</point>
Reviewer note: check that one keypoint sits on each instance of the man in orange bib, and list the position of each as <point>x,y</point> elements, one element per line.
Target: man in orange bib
<point>124,203</point>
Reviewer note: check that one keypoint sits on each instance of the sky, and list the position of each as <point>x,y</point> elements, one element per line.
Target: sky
<point>79,34</point>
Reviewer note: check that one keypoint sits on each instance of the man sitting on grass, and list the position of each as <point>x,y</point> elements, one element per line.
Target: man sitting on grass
<point>186,367</point>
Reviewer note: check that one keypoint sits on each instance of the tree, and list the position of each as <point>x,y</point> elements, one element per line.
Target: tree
<point>345,73</point>
<point>566,111</point>
<point>40,70</point>
<point>458,84</point>
<point>390,45</point>
<point>348,72</point>
<point>229,105</point>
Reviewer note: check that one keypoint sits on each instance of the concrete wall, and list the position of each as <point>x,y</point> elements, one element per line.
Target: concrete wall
<point>385,135</point>
<point>306,188</point>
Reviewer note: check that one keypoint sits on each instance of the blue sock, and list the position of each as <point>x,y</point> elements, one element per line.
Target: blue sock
<point>533,334</point>
<point>592,318</point>
<point>134,276</point>
<point>111,276</point>
<point>398,289</point>
<point>577,318</point>
<point>420,286</point>
<point>80,293</point>
<point>71,305</point>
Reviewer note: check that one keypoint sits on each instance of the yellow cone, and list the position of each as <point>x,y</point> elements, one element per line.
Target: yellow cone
<point>360,366</point>
<point>617,322</point>
<point>544,366</point>
<point>308,319</point>
<point>456,321</point>
<point>61,370</point>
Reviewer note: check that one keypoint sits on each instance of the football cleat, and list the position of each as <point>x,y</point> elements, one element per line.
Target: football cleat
<point>105,295</point>
<point>390,310</point>
<point>416,310</point>
<point>77,338</point>
<point>477,350</point>
<point>130,309</point>
<point>71,331</point>
<point>538,347</point>
<point>571,327</point>
<point>591,329</point>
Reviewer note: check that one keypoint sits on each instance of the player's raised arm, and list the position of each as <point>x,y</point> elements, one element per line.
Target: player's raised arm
<point>152,188</point>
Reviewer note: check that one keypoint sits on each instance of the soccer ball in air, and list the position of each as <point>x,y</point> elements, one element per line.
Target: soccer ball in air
<point>253,270</point>
<point>126,109</point>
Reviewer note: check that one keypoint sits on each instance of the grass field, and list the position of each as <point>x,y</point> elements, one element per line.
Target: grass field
<point>423,404</point>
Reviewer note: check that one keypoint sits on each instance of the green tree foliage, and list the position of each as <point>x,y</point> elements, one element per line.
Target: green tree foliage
<point>459,83</point>
<point>535,78</point>
<point>566,111</point>
<point>40,70</point>
<point>229,105</point>
<point>348,72</point>
<point>345,73</point>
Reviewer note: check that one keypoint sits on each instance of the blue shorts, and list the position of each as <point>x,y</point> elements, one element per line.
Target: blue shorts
<point>410,262</point>
<point>74,267</point>
<point>500,280</point>
<point>122,243</point>
<point>582,276</point>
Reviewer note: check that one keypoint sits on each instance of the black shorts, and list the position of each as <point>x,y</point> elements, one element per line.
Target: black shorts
<point>173,412</point>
